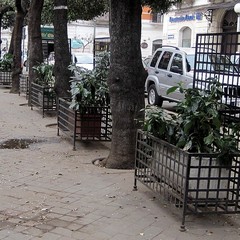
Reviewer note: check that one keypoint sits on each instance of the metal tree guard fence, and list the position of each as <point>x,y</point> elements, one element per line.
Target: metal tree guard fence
<point>195,182</point>
<point>96,125</point>
<point>6,79</point>
<point>24,84</point>
<point>198,183</point>
<point>43,97</point>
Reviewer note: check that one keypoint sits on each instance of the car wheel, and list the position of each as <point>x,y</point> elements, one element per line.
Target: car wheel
<point>153,97</point>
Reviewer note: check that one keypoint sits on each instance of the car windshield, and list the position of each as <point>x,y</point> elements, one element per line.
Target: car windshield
<point>84,59</point>
<point>212,62</point>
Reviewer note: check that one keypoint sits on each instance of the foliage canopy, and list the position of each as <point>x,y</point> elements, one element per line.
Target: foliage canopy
<point>160,6</point>
<point>78,9</point>
<point>83,9</point>
<point>7,13</point>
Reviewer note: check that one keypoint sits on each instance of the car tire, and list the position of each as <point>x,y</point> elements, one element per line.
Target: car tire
<point>153,97</point>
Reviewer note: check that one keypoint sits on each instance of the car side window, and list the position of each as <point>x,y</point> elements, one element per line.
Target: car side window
<point>155,58</point>
<point>163,64</point>
<point>188,66</point>
<point>177,64</point>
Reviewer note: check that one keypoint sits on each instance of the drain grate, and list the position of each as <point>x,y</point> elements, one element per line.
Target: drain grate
<point>17,143</point>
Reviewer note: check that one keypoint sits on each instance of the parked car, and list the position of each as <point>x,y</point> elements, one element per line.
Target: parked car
<point>170,66</point>
<point>145,62</point>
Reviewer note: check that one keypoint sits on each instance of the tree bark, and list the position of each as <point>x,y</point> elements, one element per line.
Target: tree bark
<point>61,49</point>
<point>17,51</point>
<point>35,52</point>
<point>126,81</point>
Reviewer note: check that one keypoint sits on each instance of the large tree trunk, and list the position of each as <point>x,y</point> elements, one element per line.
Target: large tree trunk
<point>17,51</point>
<point>126,80</point>
<point>35,52</point>
<point>61,49</point>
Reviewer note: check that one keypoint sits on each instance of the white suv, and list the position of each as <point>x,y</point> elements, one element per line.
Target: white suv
<point>170,66</point>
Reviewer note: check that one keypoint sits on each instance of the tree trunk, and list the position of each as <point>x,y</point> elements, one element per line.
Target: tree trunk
<point>35,52</point>
<point>61,49</point>
<point>17,52</point>
<point>126,81</point>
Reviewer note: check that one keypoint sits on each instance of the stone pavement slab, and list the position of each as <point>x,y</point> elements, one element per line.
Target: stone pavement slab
<point>49,191</point>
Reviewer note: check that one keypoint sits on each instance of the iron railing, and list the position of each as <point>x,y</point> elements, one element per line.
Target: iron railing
<point>218,58</point>
<point>94,124</point>
<point>6,79</point>
<point>24,84</point>
<point>43,97</point>
<point>197,183</point>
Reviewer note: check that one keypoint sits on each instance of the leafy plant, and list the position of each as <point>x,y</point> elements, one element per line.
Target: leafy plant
<point>6,63</point>
<point>45,75</point>
<point>89,87</point>
<point>160,123</point>
<point>199,121</point>
<point>198,124</point>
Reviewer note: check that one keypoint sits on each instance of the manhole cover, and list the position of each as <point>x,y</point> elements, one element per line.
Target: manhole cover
<point>17,143</point>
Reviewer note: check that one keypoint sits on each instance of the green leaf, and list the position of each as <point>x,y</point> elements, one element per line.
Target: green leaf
<point>209,139</point>
<point>188,146</point>
<point>172,89</point>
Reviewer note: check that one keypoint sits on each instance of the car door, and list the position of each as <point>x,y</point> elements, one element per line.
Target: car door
<point>161,72</point>
<point>177,74</point>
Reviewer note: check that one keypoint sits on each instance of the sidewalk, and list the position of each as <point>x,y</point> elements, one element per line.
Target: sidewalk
<point>48,191</point>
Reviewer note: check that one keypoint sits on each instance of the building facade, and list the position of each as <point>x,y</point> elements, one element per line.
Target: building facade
<point>191,17</point>
<point>152,31</point>
<point>151,38</point>
<point>178,27</point>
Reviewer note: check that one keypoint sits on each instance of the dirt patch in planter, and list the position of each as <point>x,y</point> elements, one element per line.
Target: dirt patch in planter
<point>18,143</point>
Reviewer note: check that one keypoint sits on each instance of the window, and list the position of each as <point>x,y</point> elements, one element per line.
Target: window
<point>177,64</point>
<point>155,58</point>
<point>163,64</point>
<point>186,37</point>
<point>156,44</point>
<point>157,17</point>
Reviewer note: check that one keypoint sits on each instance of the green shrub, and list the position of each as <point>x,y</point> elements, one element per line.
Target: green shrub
<point>45,75</point>
<point>89,87</point>
<point>6,63</point>
<point>198,125</point>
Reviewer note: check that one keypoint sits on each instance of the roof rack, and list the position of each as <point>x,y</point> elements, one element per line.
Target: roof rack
<point>170,46</point>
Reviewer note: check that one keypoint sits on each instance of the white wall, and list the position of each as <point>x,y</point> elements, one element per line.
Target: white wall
<point>172,28</point>
<point>150,32</point>
<point>85,30</point>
